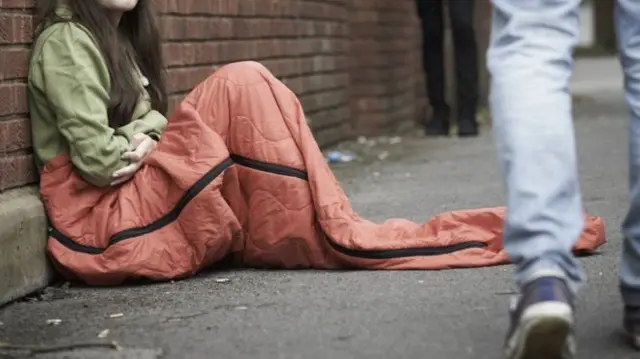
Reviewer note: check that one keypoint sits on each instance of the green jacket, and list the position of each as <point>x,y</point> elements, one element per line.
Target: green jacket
<point>69,90</point>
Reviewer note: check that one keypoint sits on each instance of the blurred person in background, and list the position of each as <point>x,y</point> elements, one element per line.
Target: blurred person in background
<point>431,13</point>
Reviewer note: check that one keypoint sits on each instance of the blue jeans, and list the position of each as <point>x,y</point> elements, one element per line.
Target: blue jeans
<point>530,61</point>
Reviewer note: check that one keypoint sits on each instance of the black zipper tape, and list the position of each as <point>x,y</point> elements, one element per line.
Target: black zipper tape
<point>163,221</point>
<point>358,253</point>
<point>172,215</point>
<point>270,167</point>
<point>210,176</point>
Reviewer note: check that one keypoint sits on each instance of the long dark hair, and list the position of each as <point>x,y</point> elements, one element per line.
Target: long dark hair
<point>139,32</point>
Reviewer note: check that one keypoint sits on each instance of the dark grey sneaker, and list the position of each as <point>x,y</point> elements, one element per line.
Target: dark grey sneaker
<point>631,323</point>
<point>437,127</point>
<point>468,128</point>
<point>542,322</point>
<point>439,124</point>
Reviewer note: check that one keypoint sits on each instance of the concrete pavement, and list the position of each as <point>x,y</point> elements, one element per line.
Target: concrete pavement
<point>24,267</point>
<point>314,314</point>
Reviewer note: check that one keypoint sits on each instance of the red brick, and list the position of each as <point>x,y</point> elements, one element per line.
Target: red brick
<point>15,135</point>
<point>13,99</point>
<point>17,4</point>
<point>16,28</point>
<point>184,79</point>
<point>13,63</point>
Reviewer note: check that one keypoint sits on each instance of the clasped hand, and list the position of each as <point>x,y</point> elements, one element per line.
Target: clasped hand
<point>141,146</point>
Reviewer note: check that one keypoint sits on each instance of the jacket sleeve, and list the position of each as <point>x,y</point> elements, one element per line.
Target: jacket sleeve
<point>76,84</point>
<point>152,124</point>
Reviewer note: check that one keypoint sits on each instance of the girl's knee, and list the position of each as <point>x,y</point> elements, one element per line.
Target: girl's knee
<point>244,72</point>
<point>244,66</point>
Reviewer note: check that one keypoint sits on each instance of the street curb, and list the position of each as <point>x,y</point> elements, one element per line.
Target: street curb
<point>24,267</point>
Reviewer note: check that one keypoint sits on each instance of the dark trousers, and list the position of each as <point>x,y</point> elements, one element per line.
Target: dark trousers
<point>466,55</point>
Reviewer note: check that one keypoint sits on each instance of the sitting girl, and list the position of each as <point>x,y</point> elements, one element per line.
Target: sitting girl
<point>235,171</point>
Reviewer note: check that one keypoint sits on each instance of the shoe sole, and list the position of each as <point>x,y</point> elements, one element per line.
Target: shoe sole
<point>634,340</point>
<point>544,333</point>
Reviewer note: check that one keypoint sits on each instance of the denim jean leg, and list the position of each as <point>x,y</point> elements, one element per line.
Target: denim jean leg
<point>530,61</point>
<point>627,15</point>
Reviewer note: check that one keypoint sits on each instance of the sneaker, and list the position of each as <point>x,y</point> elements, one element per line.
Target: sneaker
<point>631,323</point>
<point>439,124</point>
<point>542,321</point>
<point>468,128</point>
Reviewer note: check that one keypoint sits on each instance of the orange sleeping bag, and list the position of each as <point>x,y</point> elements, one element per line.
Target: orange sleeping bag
<point>238,173</point>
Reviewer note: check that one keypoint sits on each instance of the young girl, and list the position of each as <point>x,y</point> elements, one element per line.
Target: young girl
<point>234,172</point>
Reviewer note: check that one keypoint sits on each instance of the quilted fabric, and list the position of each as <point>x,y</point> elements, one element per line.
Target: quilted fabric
<point>238,173</point>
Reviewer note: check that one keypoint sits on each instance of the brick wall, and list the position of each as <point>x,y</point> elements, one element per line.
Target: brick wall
<point>386,63</point>
<point>16,165</point>
<point>355,64</point>
<point>305,43</point>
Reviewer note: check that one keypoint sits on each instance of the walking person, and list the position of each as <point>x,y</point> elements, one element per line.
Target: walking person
<point>530,61</point>
<point>466,63</point>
